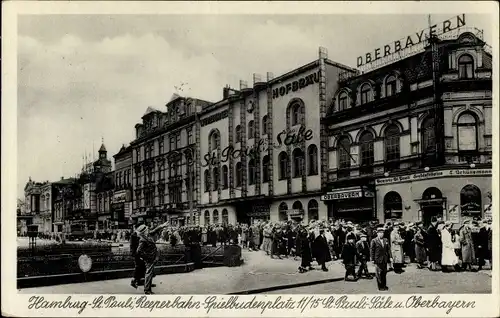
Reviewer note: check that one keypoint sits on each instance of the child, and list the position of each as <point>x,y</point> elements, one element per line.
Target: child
<point>363,253</point>
<point>349,258</point>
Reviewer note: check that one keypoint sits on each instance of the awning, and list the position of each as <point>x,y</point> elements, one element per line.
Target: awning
<point>435,201</point>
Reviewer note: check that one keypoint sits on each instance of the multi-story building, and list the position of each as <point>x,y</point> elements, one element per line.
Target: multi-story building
<point>122,197</point>
<point>163,154</point>
<point>261,147</point>
<point>412,139</point>
<point>38,204</point>
<point>65,195</point>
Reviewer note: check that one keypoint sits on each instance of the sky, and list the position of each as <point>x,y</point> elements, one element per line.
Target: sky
<point>87,78</point>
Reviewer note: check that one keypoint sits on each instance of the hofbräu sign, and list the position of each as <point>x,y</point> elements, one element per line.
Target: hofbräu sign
<point>411,40</point>
<point>296,85</point>
<point>285,138</point>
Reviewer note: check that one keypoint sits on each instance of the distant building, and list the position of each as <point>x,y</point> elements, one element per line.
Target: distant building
<point>38,204</point>
<point>66,194</point>
<point>122,197</point>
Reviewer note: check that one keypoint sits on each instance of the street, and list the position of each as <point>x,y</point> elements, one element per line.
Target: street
<point>260,274</point>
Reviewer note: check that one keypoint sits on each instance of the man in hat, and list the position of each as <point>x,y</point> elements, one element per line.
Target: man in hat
<point>468,253</point>
<point>322,252</point>
<point>380,254</point>
<point>433,241</point>
<point>363,253</point>
<point>482,244</point>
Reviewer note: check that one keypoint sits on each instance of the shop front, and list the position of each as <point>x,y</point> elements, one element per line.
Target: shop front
<point>452,195</point>
<point>354,204</point>
<point>251,211</point>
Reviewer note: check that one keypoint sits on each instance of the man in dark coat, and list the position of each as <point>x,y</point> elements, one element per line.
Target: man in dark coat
<point>349,258</point>
<point>433,241</point>
<point>482,245</point>
<point>139,266</point>
<point>380,254</point>
<point>339,234</point>
<point>304,247</point>
<point>363,256</point>
<point>322,251</point>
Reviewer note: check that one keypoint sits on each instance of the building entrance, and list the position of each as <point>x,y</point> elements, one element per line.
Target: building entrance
<point>432,204</point>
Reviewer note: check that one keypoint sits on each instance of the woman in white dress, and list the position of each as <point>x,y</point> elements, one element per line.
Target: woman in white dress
<point>449,258</point>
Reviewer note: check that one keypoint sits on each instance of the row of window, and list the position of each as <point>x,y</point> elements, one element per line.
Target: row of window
<point>175,196</point>
<point>312,209</point>
<point>298,169</point>
<point>174,142</point>
<point>123,178</point>
<point>104,202</point>
<point>214,218</point>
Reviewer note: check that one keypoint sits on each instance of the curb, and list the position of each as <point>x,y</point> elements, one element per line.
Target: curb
<point>289,286</point>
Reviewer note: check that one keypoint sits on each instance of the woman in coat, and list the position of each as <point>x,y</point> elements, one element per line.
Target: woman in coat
<point>420,252</point>
<point>448,258</point>
<point>305,250</point>
<point>256,236</point>
<point>397,249</point>
<point>467,245</point>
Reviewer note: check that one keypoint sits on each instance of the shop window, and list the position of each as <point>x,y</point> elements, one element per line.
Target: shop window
<point>238,134</point>
<point>428,140</point>
<point>225,177</point>
<point>251,129</point>
<point>207,217</point>
<point>207,180</point>
<point>390,86</point>
<point>312,210</point>
<point>266,175</point>
<point>216,217</point>
<point>251,171</point>
<point>365,94</point>
<point>466,67</point>
<point>367,155</point>
<point>238,174</point>
<point>312,155</point>
<point>393,206</point>
<point>216,176</point>
<point>265,120</point>
<point>283,162</point>
<point>344,157</point>
<point>470,201</point>
<point>467,132</point>
<point>283,209</point>
<point>343,101</point>
<point>391,145</point>
<point>298,162</point>
<point>225,217</point>
<point>295,114</point>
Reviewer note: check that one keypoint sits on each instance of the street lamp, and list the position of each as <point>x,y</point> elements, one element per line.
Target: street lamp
<point>386,174</point>
<point>472,165</point>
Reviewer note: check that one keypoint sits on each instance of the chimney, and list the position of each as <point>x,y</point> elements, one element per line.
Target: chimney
<point>243,84</point>
<point>225,92</point>
<point>270,76</point>
<point>256,78</point>
<point>323,53</point>
<point>62,178</point>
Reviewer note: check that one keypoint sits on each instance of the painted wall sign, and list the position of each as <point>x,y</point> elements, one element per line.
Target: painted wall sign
<point>214,118</point>
<point>342,195</point>
<point>285,138</point>
<point>434,174</point>
<point>296,85</point>
<point>411,40</point>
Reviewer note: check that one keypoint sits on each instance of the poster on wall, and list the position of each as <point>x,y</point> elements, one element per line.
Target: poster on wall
<point>487,211</point>
<point>453,214</point>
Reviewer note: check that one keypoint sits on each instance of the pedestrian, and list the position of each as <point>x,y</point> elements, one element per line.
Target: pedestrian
<point>139,266</point>
<point>433,244</point>
<point>304,248</point>
<point>420,252</point>
<point>349,252</point>
<point>397,249</point>
<point>380,255</point>
<point>467,245</point>
<point>449,258</point>
<point>322,251</point>
<point>363,256</point>
<point>482,242</point>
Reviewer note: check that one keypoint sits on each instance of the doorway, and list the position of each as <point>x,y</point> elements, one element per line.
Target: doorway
<point>429,211</point>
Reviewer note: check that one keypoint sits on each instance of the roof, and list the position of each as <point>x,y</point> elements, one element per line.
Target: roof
<point>102,149</point>
<point>150,110</point>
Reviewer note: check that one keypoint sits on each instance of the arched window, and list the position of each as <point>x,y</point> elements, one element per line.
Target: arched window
<point>42,203</point>
<point>283,161</point>
<point>470,201</point>
<point>207,217</point>
<point>251,171</point>
<point>297,205</point>
<point>295,114</point>
<point>266,175</point>
<point>343,101</point>
<point>283,210</point>
<point>251,130</point>
<point>238,134</point>
<point>207,180</point>
<point>428,139</point>
<point>390,86</point>
<point>216,217</point>
<point>225,217</point>
<point>214,140</point>
<point>312,156</point>
<point>391,143</point>
<point>466,67</point>
<point>238,174</point>
<point>344,157</point>
<point>365,94</point>
<point>393,206</point>
<point>225,177</point>
<point>265,120</point>
<point>467,132</point>
<point>298,162</point>
<point>312,210</point>
<point>366,150</point>
<point>216,176</point>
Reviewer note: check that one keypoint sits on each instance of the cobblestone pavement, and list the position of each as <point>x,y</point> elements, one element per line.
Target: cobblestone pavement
<point>261,272</point>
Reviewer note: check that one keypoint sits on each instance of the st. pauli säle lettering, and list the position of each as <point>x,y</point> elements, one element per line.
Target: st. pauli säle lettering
<point>411,40</point>
<point>284,138</point>
<point>296,85</point>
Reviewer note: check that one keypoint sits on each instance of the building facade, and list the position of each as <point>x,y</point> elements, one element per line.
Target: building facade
<point>164,165</point>
<point>122,197</point>
<point>261,147</point>
<point>412,139</point>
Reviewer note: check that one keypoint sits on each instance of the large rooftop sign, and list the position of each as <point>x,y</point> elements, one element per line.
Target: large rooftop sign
<point>411,42</point>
